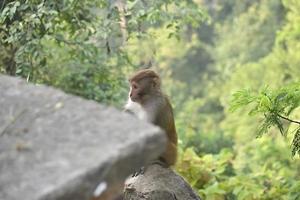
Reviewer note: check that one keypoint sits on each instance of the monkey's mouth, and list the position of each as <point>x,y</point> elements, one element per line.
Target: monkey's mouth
<point>134,99</point>
<point>137,98</point>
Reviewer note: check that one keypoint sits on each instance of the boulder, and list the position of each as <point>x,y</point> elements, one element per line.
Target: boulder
<point>58,146</point>
<point>158,183</point>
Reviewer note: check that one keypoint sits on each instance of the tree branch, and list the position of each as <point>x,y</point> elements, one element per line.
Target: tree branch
<point>287,119</point>
<point>3,5</point>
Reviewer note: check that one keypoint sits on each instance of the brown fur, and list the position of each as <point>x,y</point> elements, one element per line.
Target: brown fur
<point>145,73</point>
<point>153,100</point>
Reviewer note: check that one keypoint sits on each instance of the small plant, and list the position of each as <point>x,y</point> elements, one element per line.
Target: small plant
<point>276,108</point>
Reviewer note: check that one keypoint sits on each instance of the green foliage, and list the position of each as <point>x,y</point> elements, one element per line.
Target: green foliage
<point>192,133</point>
<point>255,18</point>
<point>253,47</point>
<point>221,176</point>
<point>25,23</point>
<point>275,106</point>
<point>77,45</point>
<point>85,48</point>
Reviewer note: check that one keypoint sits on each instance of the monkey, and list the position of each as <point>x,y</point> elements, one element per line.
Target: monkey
<point>147,102</point>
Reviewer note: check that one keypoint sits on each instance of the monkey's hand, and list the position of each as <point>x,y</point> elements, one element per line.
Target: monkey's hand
<point>129,111</point>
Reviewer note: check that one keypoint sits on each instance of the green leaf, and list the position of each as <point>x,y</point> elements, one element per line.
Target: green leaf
<point>279,125</point>
<point>13,9</point>
<point>131,4</point>
<point>265,102</point>
<point>296,143</point>
<point>241,98</point>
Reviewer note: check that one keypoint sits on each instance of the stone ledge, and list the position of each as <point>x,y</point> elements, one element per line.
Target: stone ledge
<point>58,146</point>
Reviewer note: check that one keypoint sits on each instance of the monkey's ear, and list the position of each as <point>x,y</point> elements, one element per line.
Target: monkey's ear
<point>156,82</point>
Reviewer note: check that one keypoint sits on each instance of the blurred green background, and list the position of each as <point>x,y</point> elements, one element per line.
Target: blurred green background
<point>231,69</point>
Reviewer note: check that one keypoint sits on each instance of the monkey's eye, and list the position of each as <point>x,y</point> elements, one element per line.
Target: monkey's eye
<point>134,86</point>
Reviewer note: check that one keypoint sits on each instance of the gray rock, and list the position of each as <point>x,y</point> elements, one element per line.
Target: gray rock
<point>58,146</point>
<point>158,183</point>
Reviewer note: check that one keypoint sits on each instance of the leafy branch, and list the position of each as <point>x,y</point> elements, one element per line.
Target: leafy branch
<point>275,106</point>
<point>287,119</point>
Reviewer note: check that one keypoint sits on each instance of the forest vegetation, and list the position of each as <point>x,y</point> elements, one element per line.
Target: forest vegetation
<point>231,69</point>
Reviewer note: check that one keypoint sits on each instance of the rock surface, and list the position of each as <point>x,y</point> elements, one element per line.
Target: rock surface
<point>58,146</point>
<point>158,183</point>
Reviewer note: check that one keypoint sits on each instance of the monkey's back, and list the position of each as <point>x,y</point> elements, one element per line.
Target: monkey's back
<point>165,120</point>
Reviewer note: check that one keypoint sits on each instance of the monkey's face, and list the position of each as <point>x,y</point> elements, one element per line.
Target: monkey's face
<point>141,90</point>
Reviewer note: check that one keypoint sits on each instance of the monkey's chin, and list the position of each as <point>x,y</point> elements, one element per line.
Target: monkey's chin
<point>134,100</point>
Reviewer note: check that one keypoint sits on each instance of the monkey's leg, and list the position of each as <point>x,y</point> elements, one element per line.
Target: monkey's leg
<point>166,160</point>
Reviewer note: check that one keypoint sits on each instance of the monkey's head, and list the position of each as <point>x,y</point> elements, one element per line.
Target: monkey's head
<point>144,84</point>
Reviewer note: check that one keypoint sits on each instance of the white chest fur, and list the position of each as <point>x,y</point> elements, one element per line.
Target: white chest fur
<point>137,110</point>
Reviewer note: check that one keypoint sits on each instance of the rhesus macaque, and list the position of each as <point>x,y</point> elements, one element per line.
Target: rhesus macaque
<point>148,102</point>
